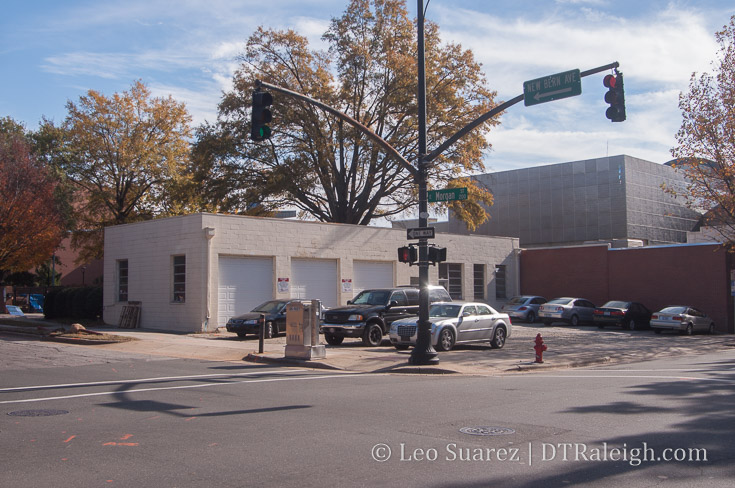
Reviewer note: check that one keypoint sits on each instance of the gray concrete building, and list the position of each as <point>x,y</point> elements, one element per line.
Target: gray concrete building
<point>612,199</point>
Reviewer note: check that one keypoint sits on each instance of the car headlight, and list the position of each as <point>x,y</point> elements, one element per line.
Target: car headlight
<point>355,318</point>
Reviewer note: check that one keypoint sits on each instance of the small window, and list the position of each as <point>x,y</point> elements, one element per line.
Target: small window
<point>179,279</point>
<point>483,310</point>
<point>479,281</point>
<point>500,281</point>
<point>469,311</point>
<point>413,297</point>
<point>400,298</point>
<point>122,280</point>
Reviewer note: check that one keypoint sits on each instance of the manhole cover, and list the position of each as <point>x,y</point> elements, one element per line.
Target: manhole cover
<point>37,413</point>
<point>487,430</point>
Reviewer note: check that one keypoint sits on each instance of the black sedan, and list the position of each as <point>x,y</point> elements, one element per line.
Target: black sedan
<point>249,323</point>
<point>628,315</point>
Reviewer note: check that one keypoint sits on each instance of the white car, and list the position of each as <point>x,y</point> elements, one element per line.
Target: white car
<point>455,323</point>
<point>682,319</point>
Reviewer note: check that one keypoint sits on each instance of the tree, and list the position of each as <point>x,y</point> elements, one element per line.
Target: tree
<point>706,140</point>
<point>328,169</point>
<point>128,155</point>
<point>31,225</point>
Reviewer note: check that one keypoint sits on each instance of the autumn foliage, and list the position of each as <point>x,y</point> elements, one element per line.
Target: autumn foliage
<point>31,226</point>
<point>706,140</point>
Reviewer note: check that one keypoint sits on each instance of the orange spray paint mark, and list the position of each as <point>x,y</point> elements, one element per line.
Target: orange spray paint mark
<point>69,439</point>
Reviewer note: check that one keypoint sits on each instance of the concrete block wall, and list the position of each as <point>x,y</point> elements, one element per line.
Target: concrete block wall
<point>149,247</point>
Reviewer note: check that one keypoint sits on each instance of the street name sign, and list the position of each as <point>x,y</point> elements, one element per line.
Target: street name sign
<point>447,195</point>
<point>420,233</point>
<point>553,87</point>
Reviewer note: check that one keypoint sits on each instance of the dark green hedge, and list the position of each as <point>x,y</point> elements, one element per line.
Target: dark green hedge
<point>73,303</point>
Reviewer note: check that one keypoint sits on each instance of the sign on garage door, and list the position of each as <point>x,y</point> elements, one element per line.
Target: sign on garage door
<point>244,283</point>
<point>314,279</point>
<point>372,274</point>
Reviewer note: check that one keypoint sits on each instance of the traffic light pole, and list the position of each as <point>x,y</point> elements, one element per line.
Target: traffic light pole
<point>423,353</point>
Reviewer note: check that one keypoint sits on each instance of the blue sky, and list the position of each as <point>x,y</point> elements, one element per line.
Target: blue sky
<point>54,51</point>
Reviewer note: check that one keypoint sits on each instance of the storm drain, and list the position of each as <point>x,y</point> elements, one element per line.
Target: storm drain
<point>487,430</point>
<point>37,413</point>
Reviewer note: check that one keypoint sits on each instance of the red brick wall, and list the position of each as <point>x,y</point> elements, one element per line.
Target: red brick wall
<point>566,272</point>
<point>696,275</point>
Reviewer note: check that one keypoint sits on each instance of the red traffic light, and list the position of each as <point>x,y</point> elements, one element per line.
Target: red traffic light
<point>407,254</point>
<point>609,81</point>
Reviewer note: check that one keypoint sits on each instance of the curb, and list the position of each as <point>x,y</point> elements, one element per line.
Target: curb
<point>83,342</point>
<point>306,363</point>
<point>531,366</point>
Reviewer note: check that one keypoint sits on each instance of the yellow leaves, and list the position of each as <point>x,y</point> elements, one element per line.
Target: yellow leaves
<point>471,211</point>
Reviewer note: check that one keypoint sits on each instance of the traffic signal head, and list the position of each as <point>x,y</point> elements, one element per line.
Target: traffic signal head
<point>437,254</point>
<point>615,96</point>
<point>407,254</point>
<point>261,115</point>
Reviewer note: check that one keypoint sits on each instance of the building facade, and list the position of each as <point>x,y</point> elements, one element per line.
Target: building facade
<point>192,273</point>
<point>617,198</point>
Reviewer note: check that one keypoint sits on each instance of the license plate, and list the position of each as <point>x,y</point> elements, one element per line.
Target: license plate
<point>405,339</point>
<point>607,314</point>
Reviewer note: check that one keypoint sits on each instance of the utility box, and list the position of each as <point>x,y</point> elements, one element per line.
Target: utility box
<point>302,330</point>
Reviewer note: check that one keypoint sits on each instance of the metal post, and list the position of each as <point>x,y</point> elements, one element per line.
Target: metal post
<point>423,353</point>
<point>261,336</point>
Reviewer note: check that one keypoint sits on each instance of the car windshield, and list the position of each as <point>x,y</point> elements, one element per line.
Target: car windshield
<point>615,304</point>
<point>560,301</point>
<point>273,306</point>
<point>517,301</point>
<point>372,298</point>
<point>444,310</point>
<point>674,310</point>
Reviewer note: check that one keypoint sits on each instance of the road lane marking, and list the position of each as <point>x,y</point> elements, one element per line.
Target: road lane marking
<point>184,387</point>
<point>146,380</point>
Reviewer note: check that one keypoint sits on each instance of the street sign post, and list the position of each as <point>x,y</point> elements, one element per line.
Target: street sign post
<point>447,195</point>
<point>420,233</point>
<point>553,87</point>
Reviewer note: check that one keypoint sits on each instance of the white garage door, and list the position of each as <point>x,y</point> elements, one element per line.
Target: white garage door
<point>314,279</point>
<point>371,274</point>
<point>244,283</point>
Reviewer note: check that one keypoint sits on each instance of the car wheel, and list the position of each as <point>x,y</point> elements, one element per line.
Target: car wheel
<point>373,335</point>
<point>498,338</point>
<point>333,340</point>
<point>446,340</point>
<point>656,331</point>
<point>632,325</point>
<point>400,347</point>
<point>269,332</point>
<point>711,328</point>
<point>241,335</point>
<point>689,330</point>
<point>574,321</point>
<point>531,317</point>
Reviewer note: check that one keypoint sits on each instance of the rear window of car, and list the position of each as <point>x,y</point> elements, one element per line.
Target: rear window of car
<point>517,300</point>
<point>615,304</point>
<point>560,301</point>
<point>439,295</point>
<point>674,310</point>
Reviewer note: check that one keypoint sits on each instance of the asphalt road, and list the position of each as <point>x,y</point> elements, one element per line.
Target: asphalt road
<point>122,421</point>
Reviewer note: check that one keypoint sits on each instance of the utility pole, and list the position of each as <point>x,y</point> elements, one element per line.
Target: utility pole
<point>423,353</point>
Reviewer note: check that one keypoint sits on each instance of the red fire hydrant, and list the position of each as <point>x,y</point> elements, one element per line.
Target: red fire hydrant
<point>540,347</point>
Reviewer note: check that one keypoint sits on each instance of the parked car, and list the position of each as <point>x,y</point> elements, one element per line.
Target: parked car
<point>685,320</point>
<point>455,323</point>
<point>523,307</point>
<point>565,309</point>
<point>628,315</point>
<point>249,323</point>
<point>369,315</point>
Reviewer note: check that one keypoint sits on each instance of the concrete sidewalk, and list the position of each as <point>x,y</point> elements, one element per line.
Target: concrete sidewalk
<point>567,347</point>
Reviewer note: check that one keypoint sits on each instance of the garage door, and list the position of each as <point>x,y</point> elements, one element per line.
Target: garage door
<point>314,279</point>
<point>371,274</point>
<point>244,283</point>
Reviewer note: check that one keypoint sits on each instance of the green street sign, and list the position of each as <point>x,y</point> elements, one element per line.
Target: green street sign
<point>553,87</point>
<point>447,195</point>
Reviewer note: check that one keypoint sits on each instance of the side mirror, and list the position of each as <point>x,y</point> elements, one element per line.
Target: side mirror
<point>392,303</point>
<point>349,302</point>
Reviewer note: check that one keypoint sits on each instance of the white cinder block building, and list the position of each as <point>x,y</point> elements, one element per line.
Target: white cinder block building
<point>192,273</point>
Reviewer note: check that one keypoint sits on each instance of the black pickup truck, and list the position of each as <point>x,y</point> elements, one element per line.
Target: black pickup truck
<point>368,316</point>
